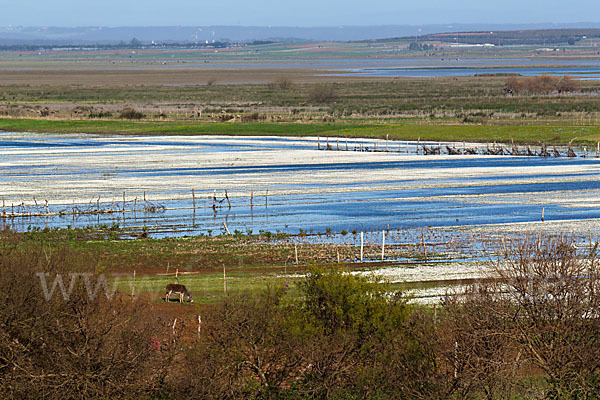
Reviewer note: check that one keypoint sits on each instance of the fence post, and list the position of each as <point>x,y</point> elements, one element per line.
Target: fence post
<point>199,325</point>
<point>361,246</point>
<point>543,209</point>
<point>226,228</point>
<point>296,252</point>
<point>133,287</point>
<point>424,247</point>
<point>382,245</point>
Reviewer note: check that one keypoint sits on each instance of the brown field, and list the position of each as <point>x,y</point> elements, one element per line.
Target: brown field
<point>93,76</point>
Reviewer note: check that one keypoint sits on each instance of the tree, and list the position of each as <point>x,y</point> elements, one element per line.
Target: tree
<point>567,84</point>
<point>513,86</point>
<point>544,304</point>
<point>82,346</point>
<point>344,335</point>
<point>544,84</point>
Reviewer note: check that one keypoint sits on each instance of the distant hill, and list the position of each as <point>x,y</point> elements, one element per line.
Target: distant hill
<point>183,34</point>
<point>547,37</point>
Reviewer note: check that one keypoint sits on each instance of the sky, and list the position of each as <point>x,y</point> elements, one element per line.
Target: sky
<point>306,13</point>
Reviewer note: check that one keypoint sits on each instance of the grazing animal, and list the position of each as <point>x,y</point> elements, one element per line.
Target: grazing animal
<point>181,290</point>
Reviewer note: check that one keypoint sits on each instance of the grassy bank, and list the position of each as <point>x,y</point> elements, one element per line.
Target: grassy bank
<point>410,131</point>
<point>251,262</point>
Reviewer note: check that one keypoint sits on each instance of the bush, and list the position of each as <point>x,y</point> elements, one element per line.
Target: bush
<point>131,113</point>
<point>81,346</point>
<point>322,94</point>
<point>252,117</point>
<point>540,313</point>
<point>344,337</point>
<point>282,83</point>
<point>544,84</point>
<point>100,114</point>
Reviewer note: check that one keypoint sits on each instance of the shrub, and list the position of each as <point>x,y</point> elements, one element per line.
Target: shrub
<point>255,116</point>
<point>131,113</point>
<point>322,94</point>
<point>344,337</point>
<point>282,83</point>
<point>82,346</point>
<point>544,84</point>
<point>99,114</point>
<point>539,313</point>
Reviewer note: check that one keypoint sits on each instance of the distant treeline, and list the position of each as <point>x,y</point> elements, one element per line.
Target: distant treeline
<point>504,38</point>
<point>546,37</point>
<point>133,44</point>
<point>414,46</point>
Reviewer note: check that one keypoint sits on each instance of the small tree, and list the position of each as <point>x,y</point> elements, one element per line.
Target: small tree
<point>545,305</point>
<point>544,84</point>
<point>567,84</point>
<point>83,345</point>
<point>343,336</point>
<point>513,86</point>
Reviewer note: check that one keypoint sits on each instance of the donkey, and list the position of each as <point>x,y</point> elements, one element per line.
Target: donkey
<point>181,290</point>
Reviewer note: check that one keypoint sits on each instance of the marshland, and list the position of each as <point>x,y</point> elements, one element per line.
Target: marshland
<point>348,227</point>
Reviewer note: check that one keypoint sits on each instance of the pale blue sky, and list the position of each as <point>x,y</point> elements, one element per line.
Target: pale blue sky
<point>291,13</point>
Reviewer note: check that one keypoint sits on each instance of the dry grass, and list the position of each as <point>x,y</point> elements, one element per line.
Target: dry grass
<point>90,77</point>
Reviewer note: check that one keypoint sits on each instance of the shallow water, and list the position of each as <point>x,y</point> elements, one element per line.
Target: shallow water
<point>308,189</point>
<point>587,72</point>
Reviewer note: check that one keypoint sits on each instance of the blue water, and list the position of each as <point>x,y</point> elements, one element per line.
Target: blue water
<point>591,72</point>
<point>400,200</point>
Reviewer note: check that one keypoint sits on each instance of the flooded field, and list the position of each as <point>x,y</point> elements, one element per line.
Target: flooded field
<point>285,185</point>
<point>582,69</point>
<point>439,71</point>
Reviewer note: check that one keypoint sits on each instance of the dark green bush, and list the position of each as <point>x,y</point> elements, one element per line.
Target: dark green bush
<point>131,113</point>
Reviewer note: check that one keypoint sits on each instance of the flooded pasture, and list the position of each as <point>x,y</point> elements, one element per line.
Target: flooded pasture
<point>285,185</point>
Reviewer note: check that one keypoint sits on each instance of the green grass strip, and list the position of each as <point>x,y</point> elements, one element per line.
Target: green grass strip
<point>409,131</point>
